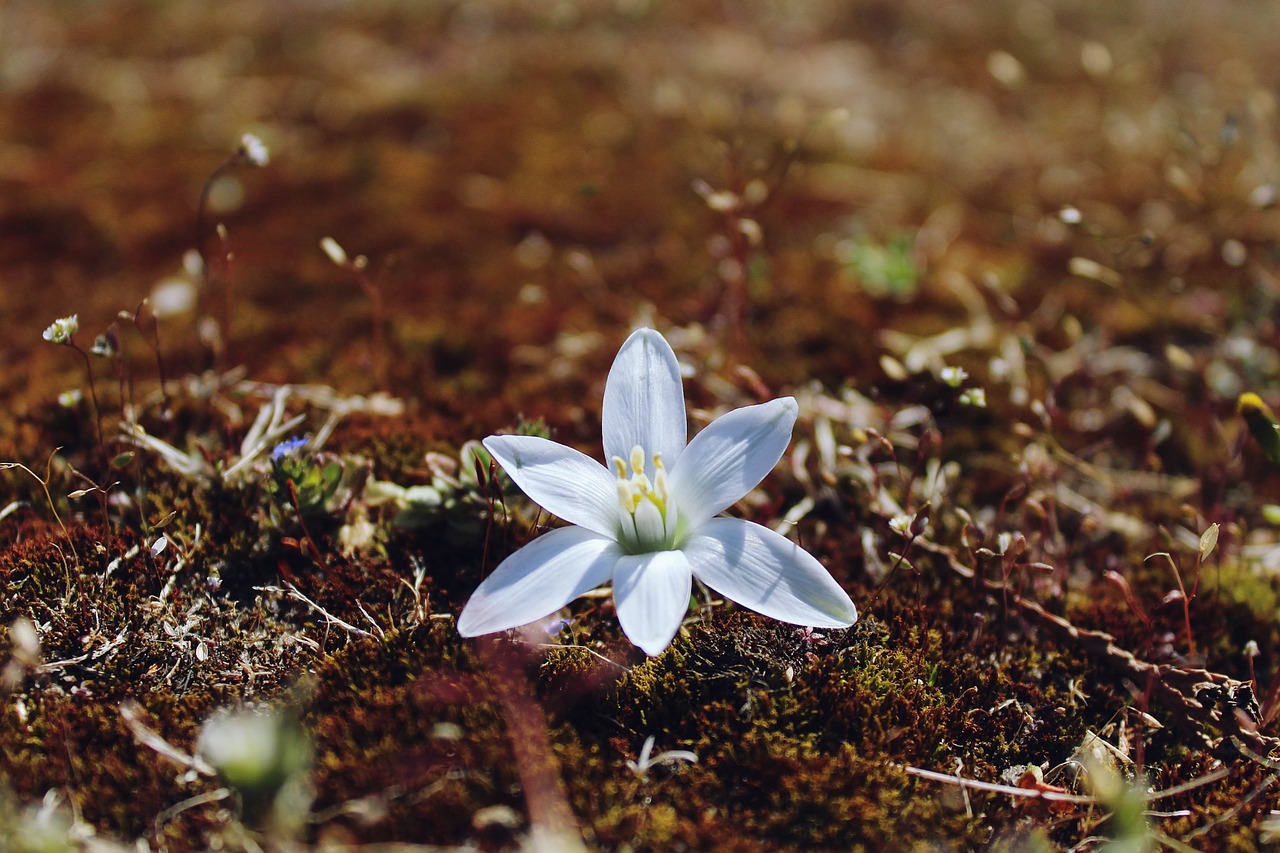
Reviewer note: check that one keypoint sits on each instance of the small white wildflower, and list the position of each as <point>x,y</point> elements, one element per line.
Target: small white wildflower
<point>901,524</point>
<point>953,376</point>
<point>976,397</point>
<point>172,297</point>
<point>70,399</point>
<point>721,201</point>
<point>60,331</point>
<point>1263,195</point>
<point>752,231</point>
<point>1070,215</point>
<point>254,150</point>
<point>192,263</point>
<point>336,253</point>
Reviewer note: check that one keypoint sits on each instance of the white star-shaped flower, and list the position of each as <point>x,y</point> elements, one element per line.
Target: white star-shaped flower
<point>649,524</point>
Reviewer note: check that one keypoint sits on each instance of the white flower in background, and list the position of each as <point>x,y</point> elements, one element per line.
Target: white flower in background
<point>334,250</point>
<point>649,525</point>
<point>953,376</point>
<point>254,150</point>
<point>61,331</point>
<point>253,748</point>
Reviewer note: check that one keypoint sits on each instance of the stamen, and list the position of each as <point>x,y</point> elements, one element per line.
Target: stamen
<point>626,497</point>
<point>648,521</point>
<point>660,481</point>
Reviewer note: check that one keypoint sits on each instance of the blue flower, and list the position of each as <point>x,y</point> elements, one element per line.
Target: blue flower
<point>288,448</point>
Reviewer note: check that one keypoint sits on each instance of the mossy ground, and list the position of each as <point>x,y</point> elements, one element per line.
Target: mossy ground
<point>1073,203</point>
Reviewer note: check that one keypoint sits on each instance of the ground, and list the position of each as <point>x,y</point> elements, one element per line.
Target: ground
<point>1016,260</point>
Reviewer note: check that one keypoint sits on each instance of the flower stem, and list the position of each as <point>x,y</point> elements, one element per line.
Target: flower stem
<point>93,391</point>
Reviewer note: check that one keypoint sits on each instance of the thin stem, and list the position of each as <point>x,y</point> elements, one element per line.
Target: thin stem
<point>93,391</point>
<point>551,819</point>
<point>154,343</point>
<point>44,484</point>
<point>315,550</point>
<point>241,157</point>
<point>1186,603</point>
<point>228,291</point>
<point>203,207</point>
<point>374,292</point>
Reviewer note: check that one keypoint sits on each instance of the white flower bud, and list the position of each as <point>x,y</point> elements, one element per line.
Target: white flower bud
<point>335,252</point>
<point>254,151</point>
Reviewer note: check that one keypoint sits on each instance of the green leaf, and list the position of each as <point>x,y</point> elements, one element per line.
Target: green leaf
<point>1208,541</point>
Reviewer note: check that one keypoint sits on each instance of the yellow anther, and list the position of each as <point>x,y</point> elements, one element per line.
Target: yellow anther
<point>649,519</point>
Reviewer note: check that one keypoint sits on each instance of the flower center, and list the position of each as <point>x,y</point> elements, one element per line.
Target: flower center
<point>647,513</point>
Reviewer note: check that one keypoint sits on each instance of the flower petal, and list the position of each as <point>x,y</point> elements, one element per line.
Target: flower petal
<point>651,592</point>
<point>566,483</point>
<point>644,400</point>
<point>729,458</point>
<point>768,573</point>
<point>539,579</point>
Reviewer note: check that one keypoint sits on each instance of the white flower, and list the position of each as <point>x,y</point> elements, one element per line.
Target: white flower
<point>335,251</point>
<point>61,330</point>
<point>253,150</point>
<point>901,523</point>
<point>953,376</point>
<point>649,525</point>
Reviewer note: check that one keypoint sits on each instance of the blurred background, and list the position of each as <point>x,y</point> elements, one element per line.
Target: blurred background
<point>530,179</point>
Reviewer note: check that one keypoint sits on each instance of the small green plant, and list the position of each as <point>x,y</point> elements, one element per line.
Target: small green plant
<point>308,482</point>
<point>884,270</point>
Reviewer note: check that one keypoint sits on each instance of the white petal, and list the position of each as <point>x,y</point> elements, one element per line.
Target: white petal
<point>539,579</point>
<point>644,400</point>
<point>729,458</point>
<point>566,483</point>
<point>768,573</point>
<point>651,592</point>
